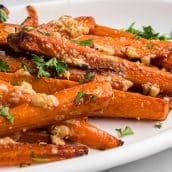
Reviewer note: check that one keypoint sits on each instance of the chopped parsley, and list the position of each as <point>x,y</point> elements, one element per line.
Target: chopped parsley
<point>84,42</point>
<point>146,32</point>
<point>78,97</point>
<point>158,125</point>
<point>44,32</point>
<point>40,65</point>
<point>89,75</point>
<point>58,67</point>
<point>38,159</point>
<point>81,81</point>
<point>17,83</point>
<point>4,67</point>
<point>94,98</point>
<point>150,46</point>
<point>4,111</point>
<point>3,16</point>
<point>24,66</point>
<point>52,67</point>
<point>27,28</point>
<point>124,132</point>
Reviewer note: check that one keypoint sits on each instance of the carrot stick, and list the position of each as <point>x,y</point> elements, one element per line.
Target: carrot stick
<point>32,19</point>
<point>132,105</point>
<point>69,106</point>
<point>130,48</point>
<point>84,56</point>
<point>78,75</point>
<point>18,154</point>
<point>32,136</point>
<point>83,132</point>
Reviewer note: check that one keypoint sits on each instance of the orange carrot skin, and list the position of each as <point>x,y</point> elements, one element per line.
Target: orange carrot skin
<point>136,106</point>
<point>16,154</point>
<point>83,132</point>
<point>28,116</point>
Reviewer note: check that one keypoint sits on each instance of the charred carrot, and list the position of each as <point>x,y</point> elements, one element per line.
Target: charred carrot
<point>18,154</point>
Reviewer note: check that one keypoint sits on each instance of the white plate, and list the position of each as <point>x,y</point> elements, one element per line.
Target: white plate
<point>147,140</point>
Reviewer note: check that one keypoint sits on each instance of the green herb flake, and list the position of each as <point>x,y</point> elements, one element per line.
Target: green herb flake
<point>44,32</point>
<point>40,65</point>
<point>150,46</point>
<point>16,83</point>
<point>24,66</point>
<point>3,16</point>
<point>81,81</point>
<point>87,42</point>
<point>27,28</point>
<point>4,67</point>
<point>124,132</point>
<point>24,165</point>
<point>89,75</point>
<point>158,125</point>
<point>146,32</point>
<point>16,29</point>
<point>38,159</point>
<point>57,66</point>
<point>4,111</point>
<point>78,97</point>
<point>94,98</point>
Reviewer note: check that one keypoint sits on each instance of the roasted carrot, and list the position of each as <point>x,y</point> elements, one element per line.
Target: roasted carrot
<point>68,105</point>
<point>32,19</point>
<point>135,106</point>
<point>79,55</point>
<point>16,154</point>
<point>107,31</point>
<point>80,131</point>
<point>32,136</point>
<point>165,62</point>
<point>131,48</point>
<point>42,85</point>
<point>78,75</point>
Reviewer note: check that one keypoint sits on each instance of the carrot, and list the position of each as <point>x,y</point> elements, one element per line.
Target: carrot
<point>130,48</point>
<point>84,56</point>
<point>135,106</point>
<point>42,85</point>
<point>32,19</point>
<point>78,75</point>
<point>81,131</point>
<point>32,136</point>
<point>70,105</point>
<point>19,154</point>
<point>107,31</point>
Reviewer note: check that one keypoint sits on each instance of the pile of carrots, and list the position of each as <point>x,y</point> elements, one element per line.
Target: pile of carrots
<point>54,76</point>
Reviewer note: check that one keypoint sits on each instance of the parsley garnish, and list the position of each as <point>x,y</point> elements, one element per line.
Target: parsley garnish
<point>146,32</point>
<point>35,158</point>
<point>158,125</point>
<point>17,83</point>
<point>89,75</point>
<point>81,81</point>
<point>84,42</point>
<point>40,65</point>
<point>79,96</point>
<point>52,67</point>
<point>125,132</point>
<point>24,66</point>
<point>4,111</point>
<point>59,67</point>
<point>3,16</point>
<point>94,98</point>
<point>150,46</point>
<point>4,67</point>
<point>27,28</point>
<point>44,32</point>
